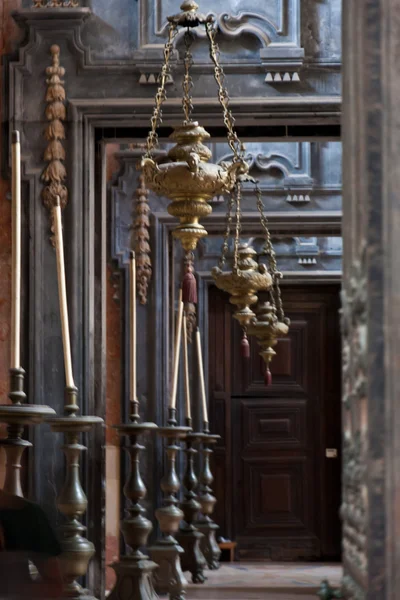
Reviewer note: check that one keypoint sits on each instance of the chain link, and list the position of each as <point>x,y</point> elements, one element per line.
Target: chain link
<point>156,119</point>
<point>238,198</point>
<point>225,245</point>
<point>187,83</point>
<point>270,252</point>
<point>234,142</point>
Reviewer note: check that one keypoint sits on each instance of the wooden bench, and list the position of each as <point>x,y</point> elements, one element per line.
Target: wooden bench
<point>231,546</point>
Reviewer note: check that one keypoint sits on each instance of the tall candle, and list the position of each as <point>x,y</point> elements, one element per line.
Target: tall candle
<point>186,366</point>
<point>62,294</point>
<point>177,348</point>
<point>201,375</point>
<point>16,252</point>
<point>132,288</point>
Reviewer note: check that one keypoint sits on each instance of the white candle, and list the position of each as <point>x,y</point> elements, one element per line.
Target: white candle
<point>201,375</point>
<point>62,293</point>
<point>16,253</point>
<point>132,288</point>
<point>186,365</point>
<point>177,348</point>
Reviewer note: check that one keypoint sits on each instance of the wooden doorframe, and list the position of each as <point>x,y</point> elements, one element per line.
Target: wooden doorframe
<point>292,279</point>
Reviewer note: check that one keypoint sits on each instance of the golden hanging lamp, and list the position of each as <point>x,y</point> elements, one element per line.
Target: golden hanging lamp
<point>187,177</point>
<point>248,278</point>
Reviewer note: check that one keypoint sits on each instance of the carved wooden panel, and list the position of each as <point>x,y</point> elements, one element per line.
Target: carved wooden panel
<point>280,425</point>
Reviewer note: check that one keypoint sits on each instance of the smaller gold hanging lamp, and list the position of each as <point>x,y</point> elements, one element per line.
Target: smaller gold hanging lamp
<point>248,278</point>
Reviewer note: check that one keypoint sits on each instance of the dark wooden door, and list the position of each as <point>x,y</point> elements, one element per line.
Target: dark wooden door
<point>277,483</point>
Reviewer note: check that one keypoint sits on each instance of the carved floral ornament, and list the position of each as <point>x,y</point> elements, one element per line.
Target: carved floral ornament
<point>54,175</point>
<point>191,181</point>
<point>355,502</point>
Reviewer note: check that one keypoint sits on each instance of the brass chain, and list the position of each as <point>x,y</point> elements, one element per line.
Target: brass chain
<point>234,142</point>
<point>238,198</point>
<point>187,83</point>
<point>225,245</point>
<point>156,119</point>
<point>270,252</point>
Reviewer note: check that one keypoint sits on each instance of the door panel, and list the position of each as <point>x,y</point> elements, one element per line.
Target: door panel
<point>285,492</point>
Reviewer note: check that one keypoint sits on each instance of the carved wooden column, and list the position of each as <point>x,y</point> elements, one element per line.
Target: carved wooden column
<point>371,300</point>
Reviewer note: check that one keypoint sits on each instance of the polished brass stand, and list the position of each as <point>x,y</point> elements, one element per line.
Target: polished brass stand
<point>206,525</point>
<point>17,415</point>
<point>189,537</point>
<point>135,571</point>
<point>72,502</point>
<point>166,552</point>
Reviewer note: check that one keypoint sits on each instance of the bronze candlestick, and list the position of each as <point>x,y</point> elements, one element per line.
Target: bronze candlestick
<point>135,571</point>
<point>72,502</point>
<point>206,525</point>
<point>17,415</point>
<point>166,551</point>
<point>189,536</point>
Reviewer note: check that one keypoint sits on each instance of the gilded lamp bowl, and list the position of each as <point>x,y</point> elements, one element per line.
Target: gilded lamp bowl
<point>190,181</point>
<point>243,284</point>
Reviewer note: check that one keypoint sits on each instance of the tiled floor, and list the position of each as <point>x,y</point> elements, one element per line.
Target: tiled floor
<point>265,581</point>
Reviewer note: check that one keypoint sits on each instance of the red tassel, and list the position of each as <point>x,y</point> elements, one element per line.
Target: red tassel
<point>189,288</point>
<point>245,346</point>
<point>268,377</point>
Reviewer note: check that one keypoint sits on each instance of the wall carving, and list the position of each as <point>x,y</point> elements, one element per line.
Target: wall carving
<point>55,173</point>
<point>142,240</point>
<point>275,25</point>
<point>354,506</point>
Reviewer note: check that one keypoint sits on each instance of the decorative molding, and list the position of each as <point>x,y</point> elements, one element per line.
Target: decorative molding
<point>307,250</point>
<point>296,169</point>
<point>277,28</point>
<point>142,240</point>
<point>55,4</point>
<point>55,174</point>
<point>153,78</point>
<point>298,198</point>
<point>282,77</point>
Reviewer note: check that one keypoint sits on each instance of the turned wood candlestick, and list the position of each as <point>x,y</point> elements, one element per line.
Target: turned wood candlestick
<point>189,537</point>
<point>207,500</point>
<point>72,502</point>
<point>17,415</point>
<point>135,571</point>
<point>166,552</point>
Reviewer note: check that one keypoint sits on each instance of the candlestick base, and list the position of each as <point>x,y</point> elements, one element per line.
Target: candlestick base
<point>134,579</point>
<point>207,500</point>
<point>208,544</point>
<point>189,537</point>
<point>169,578</point>
<point>72,503</point>
<point>135,571</point>
<point>17,416</point>
<point>166,552</point>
